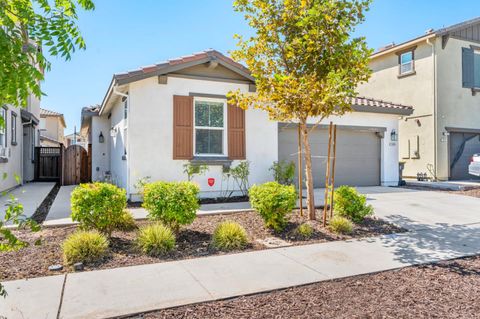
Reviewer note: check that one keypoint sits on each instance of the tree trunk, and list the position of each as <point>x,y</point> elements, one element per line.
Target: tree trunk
<point>308,171</point>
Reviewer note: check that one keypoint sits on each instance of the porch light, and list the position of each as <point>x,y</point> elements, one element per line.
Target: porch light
<point>393,136</point>
<point>101,139</point>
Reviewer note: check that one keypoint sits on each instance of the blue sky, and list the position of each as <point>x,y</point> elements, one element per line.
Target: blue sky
<point>122,35</point>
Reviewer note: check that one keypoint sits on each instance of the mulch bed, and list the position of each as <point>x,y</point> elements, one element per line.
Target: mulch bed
<point>202,201</point>
<point>448,289</point>
<point>192,241</point>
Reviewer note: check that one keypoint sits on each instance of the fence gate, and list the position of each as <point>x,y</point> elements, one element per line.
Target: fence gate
<point>48,163</point>
<point>75,165</point>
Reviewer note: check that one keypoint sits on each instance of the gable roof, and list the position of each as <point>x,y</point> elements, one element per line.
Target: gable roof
<point>453,30</point>
<point>47,113</point>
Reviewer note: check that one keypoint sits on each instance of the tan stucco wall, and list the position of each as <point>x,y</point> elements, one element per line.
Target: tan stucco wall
<point>53,128</point>
<point>457,107</point>
<point>415,90</point>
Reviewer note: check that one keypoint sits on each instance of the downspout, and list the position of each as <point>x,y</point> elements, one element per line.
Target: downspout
<point>114,91</point>
<point>435,114</point>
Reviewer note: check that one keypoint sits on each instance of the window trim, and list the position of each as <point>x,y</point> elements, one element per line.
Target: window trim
<point>4,109</point>
<point>224,129</point>
<point>13,129</point>
<point>400,54</point>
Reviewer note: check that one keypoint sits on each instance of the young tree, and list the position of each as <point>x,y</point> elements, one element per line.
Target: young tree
<point>27,29</point>
<point>304,60</point>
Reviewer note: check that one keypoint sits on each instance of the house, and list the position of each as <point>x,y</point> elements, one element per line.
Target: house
<point>18,139</point>
<point>154,120</point>
<point>439,73</point>
<point>52,126</point>
<point>75,139</point>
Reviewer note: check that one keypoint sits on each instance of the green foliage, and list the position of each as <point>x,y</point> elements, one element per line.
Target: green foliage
<point>194,169</point>
<point>349,203</point>
<point>304,231</point>
<point>8,241</point>
<point>229,236</point>
<point>340,225</point>
<point>29,28</point>
<point>126,222</point>
<point>172,203</point>
<point>84,246</point>
<point>98,206</point>
<point>273,202</point>
<point>240,175</point>
<point>283,172</point>
<point>156,239</point>
<point>141,182</point>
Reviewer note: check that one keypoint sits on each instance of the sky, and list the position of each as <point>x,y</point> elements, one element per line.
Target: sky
<point>123,35</point>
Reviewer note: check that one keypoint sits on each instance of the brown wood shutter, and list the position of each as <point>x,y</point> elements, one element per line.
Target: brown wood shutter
<point>236,133</point>
<point>182,127</point>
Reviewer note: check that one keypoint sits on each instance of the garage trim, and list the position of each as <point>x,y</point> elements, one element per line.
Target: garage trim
<point>376,129</point>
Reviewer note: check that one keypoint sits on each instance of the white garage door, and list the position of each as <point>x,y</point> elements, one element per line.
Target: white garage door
<point>358,155</point>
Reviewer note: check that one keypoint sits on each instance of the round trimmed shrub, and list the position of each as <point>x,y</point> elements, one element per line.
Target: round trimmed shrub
<point>172,203</point>
<point>273,202</point>
<point>229,235</point>
<point>350,204</point>
<point>304,231</point>
<point>84,246</point>
<point>126,222</point>
<point>156,239</point>
<point>98,206</point>
<point>340,225</point>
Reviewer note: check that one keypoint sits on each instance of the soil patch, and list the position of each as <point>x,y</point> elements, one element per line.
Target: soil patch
<point>445,290</point>
<point>192,241</point>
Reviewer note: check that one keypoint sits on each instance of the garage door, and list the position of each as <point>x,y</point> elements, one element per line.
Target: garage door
<point>358,155</point>
<point>462,147</point>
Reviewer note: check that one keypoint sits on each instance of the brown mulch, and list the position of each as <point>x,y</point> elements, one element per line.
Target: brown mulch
<point>448,289</point>
<point>192,241</point>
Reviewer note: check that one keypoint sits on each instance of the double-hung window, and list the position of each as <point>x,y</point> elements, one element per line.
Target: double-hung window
<point>14,128</point>
<point>3,127</point>
<point>209,131</point>
<point>406,63</point>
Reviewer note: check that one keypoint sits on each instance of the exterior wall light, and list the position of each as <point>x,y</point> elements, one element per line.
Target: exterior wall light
<point>113,132</point>
<point>101,139</point>
<point>393,136</point>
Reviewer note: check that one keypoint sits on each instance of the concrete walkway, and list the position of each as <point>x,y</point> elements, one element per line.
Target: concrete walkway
<point>443,226</point>
<point>30,195</point>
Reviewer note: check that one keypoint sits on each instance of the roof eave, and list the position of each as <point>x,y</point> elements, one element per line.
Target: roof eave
<point>382,110</point>
<point>403,45</point>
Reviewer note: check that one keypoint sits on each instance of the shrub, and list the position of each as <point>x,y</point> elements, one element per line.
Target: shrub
<point>229,236</point>
<point>84,246</point>
<point>273,202</point>
<point>126,222</point>
<point>98,206</point>
<point>304,231</point>
<point>349,203</point>
<point>156,239</point>
<point>194,169</point>
<point>340,225</point>
<point>283,172</point>
<point>172,203</point>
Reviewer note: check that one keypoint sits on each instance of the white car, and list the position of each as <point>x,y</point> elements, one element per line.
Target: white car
<point>474,167</point>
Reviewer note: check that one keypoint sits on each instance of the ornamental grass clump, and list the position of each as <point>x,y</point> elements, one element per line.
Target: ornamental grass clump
<point>304,231</point>
<point>172,203</point>
<point>85,247</point>
<point>229,236</point>
<point>98,206</point>
<point>273,202</point>
<point>350,204</point>
<point>340,225</point>
<point>156,239</point>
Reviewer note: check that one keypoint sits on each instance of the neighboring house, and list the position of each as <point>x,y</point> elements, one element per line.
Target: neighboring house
<point>18,139</point>
<point>155,119</point>
<point>76,139</point>
<point>52,126</point>
<point>438,73</point>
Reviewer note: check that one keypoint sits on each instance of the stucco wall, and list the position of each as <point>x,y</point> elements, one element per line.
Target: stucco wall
<point>151,127</point>
<point>416,90</point>
<point>14,165</point>
<point>100,151</point>
<point>457,107</point>
<point>389,149</point>
<point>118,165</point>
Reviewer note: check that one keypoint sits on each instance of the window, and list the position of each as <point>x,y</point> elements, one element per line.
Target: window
<point>406,62</point>
<point>210,119</point>
<point>476,68</point>
<point>14,128</point>
<point>3,127</point>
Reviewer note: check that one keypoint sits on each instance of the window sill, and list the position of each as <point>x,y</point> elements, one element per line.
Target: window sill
<point>404,75</point>
<point>3,160</point>
<point>211,161</point>
<point>475,91</point>
<point>13,143</point>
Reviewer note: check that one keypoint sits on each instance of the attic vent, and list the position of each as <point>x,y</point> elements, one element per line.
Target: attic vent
<point>386,47</point>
